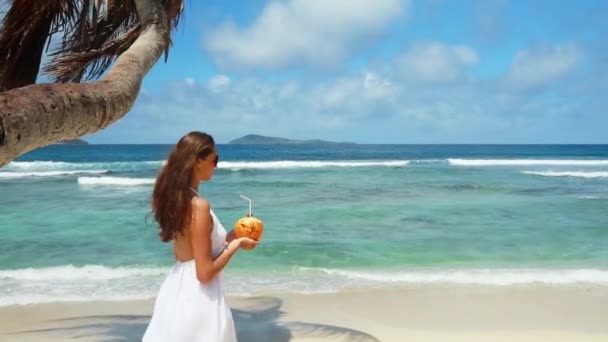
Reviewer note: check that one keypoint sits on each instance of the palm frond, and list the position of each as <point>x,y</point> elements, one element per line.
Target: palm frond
<point>25,30</point>
<point>175,11</point>
<point>95,42</point>
<point>91,63</point>
<point>94,32</point>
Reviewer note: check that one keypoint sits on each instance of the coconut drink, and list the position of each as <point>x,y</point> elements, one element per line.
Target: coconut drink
<point>249,226</point>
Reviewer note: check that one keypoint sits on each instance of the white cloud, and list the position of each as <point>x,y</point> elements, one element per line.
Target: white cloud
<point>541,65</point>
<point>377,86</point>
<point>373,105</point>
<point>436,62</point>
<point>338,109</point>
<point>358,96</point>
<point>302,31</point>
<point>219,83</point>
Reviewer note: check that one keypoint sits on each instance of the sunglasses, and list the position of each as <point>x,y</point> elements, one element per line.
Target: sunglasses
<point>214,160</point>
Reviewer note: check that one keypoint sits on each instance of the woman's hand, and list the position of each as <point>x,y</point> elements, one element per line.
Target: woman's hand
<point>247,243</point>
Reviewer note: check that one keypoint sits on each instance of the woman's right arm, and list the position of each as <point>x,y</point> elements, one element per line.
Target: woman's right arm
<point>201,227</point>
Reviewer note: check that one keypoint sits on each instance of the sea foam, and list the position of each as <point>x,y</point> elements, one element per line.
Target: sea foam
<point>16,174</point>
<point>98,282</point>
<point>140,165</point>
<point>496,277</point>
<point>124,181</point>
<point>583,174</point>
<point>516,162</point>
<point>70,166</point>
<point>293,164</point>
<point>72,283</point>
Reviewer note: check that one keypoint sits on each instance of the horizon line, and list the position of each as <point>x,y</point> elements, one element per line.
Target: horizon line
<point>348,143</point>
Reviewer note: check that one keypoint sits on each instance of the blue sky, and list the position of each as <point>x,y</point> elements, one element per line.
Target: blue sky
<point>380,71</point>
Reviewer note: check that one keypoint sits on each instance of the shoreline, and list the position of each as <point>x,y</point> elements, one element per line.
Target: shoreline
<point>413,313</point>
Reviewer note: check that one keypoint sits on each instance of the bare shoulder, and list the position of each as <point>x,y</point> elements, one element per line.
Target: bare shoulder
<point>200,204</point>
<point>201,215</point>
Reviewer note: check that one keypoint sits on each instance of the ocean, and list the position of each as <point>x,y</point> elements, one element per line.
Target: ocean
<point>75,221</point>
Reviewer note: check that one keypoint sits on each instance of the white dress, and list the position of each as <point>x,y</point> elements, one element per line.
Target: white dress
<point>188,311</point>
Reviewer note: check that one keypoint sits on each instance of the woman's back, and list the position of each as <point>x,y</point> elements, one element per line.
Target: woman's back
<point>182,244</point>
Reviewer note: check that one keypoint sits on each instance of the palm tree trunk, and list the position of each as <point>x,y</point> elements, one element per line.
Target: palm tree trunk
<point>38,115</point>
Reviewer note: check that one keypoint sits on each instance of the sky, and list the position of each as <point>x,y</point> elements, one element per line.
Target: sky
<point>380,71</point>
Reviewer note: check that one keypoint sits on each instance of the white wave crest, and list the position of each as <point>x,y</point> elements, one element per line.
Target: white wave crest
<point>14,174</point>
<point>69,166</point>
<point>494,277</point>
<point>124,181</point>
<point>47,166</point>
<point>38,165</point>
<point>583,174</point>
<point>97,282</point>
<point>428,161</point>
<point>72,283</point>
<point>71,272</point>
<point>292,164</point>
<point>515,162</point>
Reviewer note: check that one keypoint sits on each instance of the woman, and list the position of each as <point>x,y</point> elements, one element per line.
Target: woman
<point>190,305</point>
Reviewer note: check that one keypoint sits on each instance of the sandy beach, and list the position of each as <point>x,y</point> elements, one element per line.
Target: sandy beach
<point>420,313</point>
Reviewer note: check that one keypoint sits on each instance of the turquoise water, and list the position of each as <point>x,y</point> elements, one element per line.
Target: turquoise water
<point>74,225</point>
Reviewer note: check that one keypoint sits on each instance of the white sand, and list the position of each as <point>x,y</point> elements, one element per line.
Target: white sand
<point>424,313</point>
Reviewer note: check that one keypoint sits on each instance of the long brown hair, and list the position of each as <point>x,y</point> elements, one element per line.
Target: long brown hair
<point>172,193</point>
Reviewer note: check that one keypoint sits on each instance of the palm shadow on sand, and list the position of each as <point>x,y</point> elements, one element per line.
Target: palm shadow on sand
<point>256,320</point>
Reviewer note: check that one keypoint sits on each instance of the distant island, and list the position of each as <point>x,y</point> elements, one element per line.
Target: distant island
<point>253,139</point>
<point>73,142</point>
